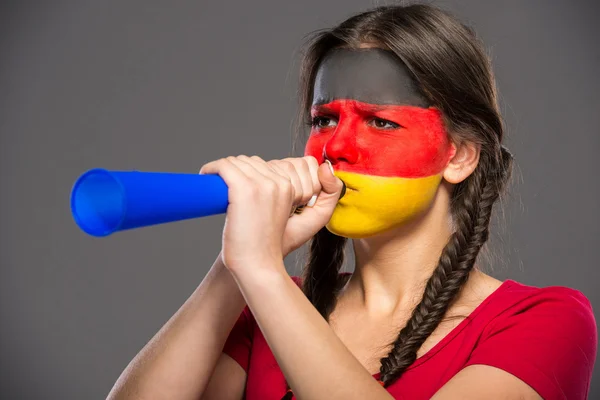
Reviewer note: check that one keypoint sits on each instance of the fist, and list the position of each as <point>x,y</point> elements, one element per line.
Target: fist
<point>258,226</point>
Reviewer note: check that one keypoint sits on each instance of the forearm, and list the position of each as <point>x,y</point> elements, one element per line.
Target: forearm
<point>314,360</point>
<point>178,361</point>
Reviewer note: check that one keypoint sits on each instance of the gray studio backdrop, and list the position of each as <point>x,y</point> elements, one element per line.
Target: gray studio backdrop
<point>169,86</point>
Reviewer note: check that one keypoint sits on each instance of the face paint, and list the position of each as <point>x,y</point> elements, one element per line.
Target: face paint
<point>390,149</point>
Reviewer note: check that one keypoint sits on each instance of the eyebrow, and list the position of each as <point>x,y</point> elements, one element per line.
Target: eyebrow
<point>322,108</point>
<point>375,107</point>
<point>361,106</point>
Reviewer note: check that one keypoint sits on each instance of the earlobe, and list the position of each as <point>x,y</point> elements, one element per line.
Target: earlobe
<point>463,162</point>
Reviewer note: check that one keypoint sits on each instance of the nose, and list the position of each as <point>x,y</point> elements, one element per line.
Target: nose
<point>341,146</point>
<point>325,157</point>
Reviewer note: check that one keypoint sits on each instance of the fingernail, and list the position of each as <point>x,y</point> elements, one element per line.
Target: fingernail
<point>330,166</point>
<point>312,201</point>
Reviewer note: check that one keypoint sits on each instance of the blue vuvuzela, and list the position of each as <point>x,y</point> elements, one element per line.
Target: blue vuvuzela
<point>103,202</point>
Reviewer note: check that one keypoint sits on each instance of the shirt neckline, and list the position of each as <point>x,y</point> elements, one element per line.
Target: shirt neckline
<point>457,329</point>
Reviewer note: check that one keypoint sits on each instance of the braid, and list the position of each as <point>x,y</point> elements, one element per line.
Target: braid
<point>320,280</point>
<point>473,203</point>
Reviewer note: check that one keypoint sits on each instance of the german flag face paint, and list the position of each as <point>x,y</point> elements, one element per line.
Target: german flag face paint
<point>384,141</point>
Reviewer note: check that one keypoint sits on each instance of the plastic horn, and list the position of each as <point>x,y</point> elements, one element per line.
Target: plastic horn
<point>104,202</point>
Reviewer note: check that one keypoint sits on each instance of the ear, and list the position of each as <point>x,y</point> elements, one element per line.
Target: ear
<point>463,163</point>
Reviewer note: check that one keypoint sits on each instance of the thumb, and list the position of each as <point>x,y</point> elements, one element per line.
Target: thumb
<point>302,227</point>
<point>332,187</point>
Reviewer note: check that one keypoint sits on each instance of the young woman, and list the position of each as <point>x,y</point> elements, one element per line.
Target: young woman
<point>405,155</point>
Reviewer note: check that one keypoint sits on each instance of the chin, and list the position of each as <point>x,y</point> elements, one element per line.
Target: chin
<point>350,229</point>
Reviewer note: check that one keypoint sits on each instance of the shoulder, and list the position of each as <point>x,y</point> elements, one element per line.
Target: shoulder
<point>556,304</point>
<point>550,325</point>
<point>547,337</point>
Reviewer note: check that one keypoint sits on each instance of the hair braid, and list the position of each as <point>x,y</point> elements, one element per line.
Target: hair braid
<point>474,202</point>
<point>320,281</point>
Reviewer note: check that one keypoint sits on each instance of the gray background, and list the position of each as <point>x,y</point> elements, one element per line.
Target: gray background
<point>169,86</point>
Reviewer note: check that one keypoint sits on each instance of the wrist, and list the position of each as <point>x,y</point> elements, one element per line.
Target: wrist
<point>260,271</point>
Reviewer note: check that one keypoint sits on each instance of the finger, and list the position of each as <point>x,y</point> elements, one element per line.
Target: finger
<point>258,168</point>
<point>231,173</point>
<point>211,167</point>
<point>262,167</point>
<point>250,168</point>
<point>219,166</point>
<point>288,170</point>
<point>298,205</point>
<point>307,167</point>
<point>313,166</point>
<point>216,167</point>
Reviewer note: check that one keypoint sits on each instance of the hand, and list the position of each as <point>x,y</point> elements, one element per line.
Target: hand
<point>258,226</point>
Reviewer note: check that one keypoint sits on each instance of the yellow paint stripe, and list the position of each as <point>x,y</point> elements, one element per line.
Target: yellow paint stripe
<point>373,204</point>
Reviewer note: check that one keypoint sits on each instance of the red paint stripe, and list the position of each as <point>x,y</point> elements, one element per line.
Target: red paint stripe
<point>419,147</point>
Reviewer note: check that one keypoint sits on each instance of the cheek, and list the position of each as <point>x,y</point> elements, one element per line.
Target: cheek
<point>380,204</point>
<point>315,145</point>
<point>417,153</point>
<point>421,148</point>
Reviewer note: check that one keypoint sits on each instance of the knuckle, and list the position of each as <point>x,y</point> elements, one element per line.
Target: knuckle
<point>304,165</point>
<point>289,167</point>
<point>311,160</point>
<point>285,182</point>
<point>286,187</point>
<point>316,187</point>
<point>270,186</point>
<point>306,195</point>
<point>253,191</point>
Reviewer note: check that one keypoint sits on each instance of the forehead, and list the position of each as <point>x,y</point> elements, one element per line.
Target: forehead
<point>369,75</point>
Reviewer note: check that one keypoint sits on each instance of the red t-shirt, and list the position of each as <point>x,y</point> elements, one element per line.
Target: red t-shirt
<point>547,337</point>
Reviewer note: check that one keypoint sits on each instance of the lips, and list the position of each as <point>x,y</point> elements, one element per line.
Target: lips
<point>345,188</point>
<point>351,180</point>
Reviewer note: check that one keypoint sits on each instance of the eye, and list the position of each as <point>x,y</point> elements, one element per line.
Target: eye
<point>383,124</point>
<point>323,122</point>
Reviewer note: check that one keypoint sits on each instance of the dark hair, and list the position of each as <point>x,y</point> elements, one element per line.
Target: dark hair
<point>450,65</point>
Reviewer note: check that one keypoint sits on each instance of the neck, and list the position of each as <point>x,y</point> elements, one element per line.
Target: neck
<point>392,268</point>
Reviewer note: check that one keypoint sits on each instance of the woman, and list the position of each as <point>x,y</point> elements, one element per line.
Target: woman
<point>405,155</point>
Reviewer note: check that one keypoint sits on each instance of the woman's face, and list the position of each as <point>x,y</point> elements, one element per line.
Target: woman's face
<point>385,143</point>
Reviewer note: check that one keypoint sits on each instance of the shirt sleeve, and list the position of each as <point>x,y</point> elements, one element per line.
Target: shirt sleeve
<point>548,341</point>
<point>239,342</point>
